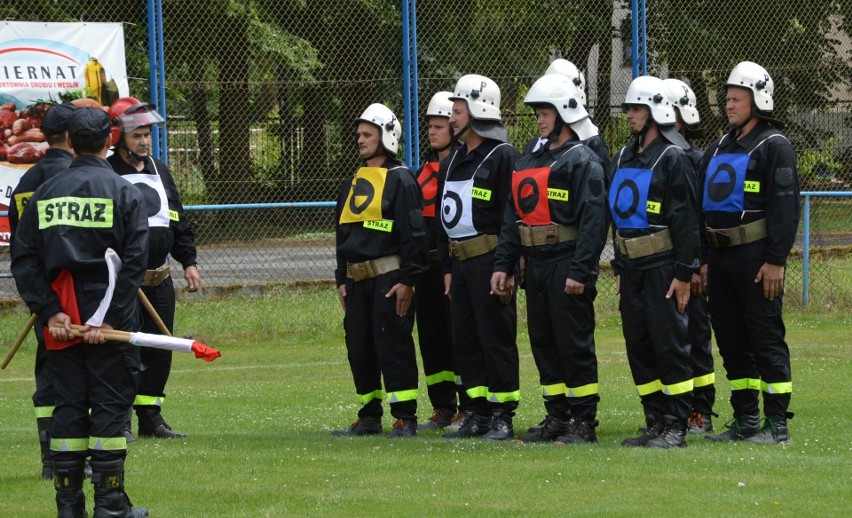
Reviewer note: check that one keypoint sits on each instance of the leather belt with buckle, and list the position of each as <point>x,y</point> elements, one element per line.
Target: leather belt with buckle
<point>539,235</point>
<point>372,268</point>
<point>468,249</point>
<point>741,235</point>
<point>157,276</point>
<point>642,246</point>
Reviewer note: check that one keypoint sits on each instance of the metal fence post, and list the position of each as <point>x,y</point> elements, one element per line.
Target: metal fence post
<point>406,81</point>
<point>806,249</point>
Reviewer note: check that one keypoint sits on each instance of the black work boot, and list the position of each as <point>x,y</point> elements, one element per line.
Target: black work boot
<point>672,436</point>
<point>473,425</point>
<point>537,428</point>
<point>403,428</point>
<point>501,427</point>
<point>551,428</point>
<point>653,428</point>
<point>110,499</point>
<point>43,424</point>
<point>68,481</point>
<point>441,418</point>
<point>773,431</point>
<point>739,428</point>
<point>361,426</point>
<point>581,431</point>
<point>152,424</point>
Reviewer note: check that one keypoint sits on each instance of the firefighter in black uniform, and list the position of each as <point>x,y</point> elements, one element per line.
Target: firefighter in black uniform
<point>432,304</point>
<point>703,374</point>
<point>475,188</point>
<point>68,230</point>
<point>557,216</point>
<point>751,211</point>
<point>656,251</point>
<point>169,233</point>
<point>55,160</point>
<point>381,251</point>
<point>595,142</point>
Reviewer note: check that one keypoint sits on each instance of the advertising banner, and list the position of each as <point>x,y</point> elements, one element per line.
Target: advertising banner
<point>42,64</point>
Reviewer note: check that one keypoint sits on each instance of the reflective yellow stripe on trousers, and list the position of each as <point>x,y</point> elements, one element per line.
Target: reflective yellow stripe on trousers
<point>745,384</point>
<point>779,387</point>
<point>649,388</point>
<point>399,396</point>
<point>504,397</point>
<point>366,398</point>
<point>440,377</point>
<point>583,391</point>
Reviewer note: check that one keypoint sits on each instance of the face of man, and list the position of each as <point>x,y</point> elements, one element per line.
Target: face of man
<point>439,132</point>
<point>637,116</point>
<point>738,105</point>
<point>369,140</point>
<point>545,117</point>
<point>460,117</point>
<point>138,141</point>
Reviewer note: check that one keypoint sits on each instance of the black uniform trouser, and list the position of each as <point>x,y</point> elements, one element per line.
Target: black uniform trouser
<point>749,330</point>
<point>379,344</point>
<point>484,337</point>
<point>436,346</point>
<point>95,386</point>
<point>657,340</point>
<point>157,363</point>
<point>562,339</point>
<point>44,396</point>
<point>704,388</point>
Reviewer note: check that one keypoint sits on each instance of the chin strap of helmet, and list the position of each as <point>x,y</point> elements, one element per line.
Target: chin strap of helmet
<point>640,139</point>
<point>557,131</point>
<point>455,138</point>
<point>123,145</point>
<point>380,150</point>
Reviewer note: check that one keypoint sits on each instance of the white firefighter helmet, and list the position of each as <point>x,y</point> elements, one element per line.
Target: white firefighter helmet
<point>754,77</point>
<point>561,93</point>
<point>381,116</point>
<point>440,105</point>
<point>683,98</point>
<point>650,91</point>
<point>482,96</point>
<point>566,68</point>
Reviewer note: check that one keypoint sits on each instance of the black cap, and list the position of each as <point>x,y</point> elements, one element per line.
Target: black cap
<point>89,125</point>
<point>57,118</point>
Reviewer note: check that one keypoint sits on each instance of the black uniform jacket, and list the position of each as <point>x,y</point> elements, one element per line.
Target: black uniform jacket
<point>578,171</point>
<point>670,188</point>
<point>773,165</point>
<point>52,163</point>
<point>494,175</point>
<point>69,223</point>
<point>401,204</point>
<point>179,238</point>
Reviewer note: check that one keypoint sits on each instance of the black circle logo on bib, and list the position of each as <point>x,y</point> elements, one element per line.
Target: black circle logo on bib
<point>632,202</point>
<point>430,181</point>
<point>527,195</point>
<point>451,212</point>
<point>363,193</point>
<point>151,197</point>
<point>718,189</point>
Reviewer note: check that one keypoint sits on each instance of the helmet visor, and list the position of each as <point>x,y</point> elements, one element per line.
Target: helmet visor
<point>138,116</point>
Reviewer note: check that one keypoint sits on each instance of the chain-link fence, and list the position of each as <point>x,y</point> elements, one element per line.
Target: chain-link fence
<point>262,95</point>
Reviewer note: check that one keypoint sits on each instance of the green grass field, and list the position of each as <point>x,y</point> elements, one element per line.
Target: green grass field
<point>259,445</point>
